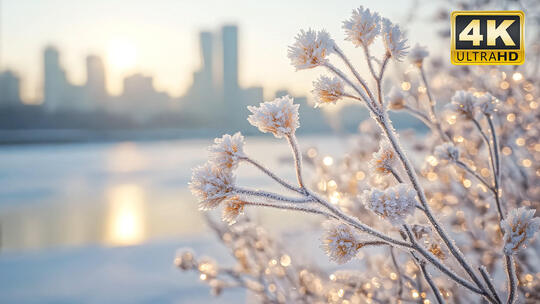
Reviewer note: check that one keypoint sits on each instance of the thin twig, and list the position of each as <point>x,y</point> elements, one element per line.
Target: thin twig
<point>272,175</point>
<point>272,196</point>
<point>512,280</point>
<point>489,282</point>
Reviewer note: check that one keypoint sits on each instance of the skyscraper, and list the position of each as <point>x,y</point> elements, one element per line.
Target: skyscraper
<point>207,68</point>
<point>229,36</point>
<point>9,89</point>
<point>95,90</point>
<point>54,77</point>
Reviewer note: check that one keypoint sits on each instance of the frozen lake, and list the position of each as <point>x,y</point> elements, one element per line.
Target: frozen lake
<point>95,222</point>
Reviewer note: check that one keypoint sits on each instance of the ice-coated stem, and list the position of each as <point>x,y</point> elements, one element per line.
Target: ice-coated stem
<point>398,272</point>
<point>297,159</point>
<point>489,283</point>
<point>434,287</point>
<point>496,168</point>
<point>294,208</point>
<point>512,280</point>
<point>272,196</point>
<point>340,53</point>
<point>472,172</point>
<point>272,175</point>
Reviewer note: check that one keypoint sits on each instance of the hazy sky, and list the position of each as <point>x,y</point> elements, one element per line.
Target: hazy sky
<point>160,37</point>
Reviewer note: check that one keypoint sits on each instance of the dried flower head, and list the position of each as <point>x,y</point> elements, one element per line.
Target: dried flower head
<point>340,242</point>
<point>208,268</point>
<point>463,103</point>
<point>232,209</point>
<point>446,152</point>
<point>519,228</point>
<point>279,117</point>
<point>394,40</point>
<point>328,90</point>
<point>211,185</point>
<point>363,26</point>
<point>487,104</point>
<point>310,49</point>
<point>395,99</point>
<point>393,204</point>
<point>184,259</point>
<point>383,160</point>
<point>417,54</point>
<point>227,151</point>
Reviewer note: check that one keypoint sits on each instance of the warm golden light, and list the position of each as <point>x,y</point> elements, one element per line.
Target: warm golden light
<point>122,54</point>
<point>125,225</point>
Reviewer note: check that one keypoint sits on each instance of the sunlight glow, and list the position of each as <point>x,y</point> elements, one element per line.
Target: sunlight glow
<point>122,54</point>
<point>125,225</point>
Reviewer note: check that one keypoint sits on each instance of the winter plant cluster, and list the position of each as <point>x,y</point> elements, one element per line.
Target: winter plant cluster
<point>447,216</point>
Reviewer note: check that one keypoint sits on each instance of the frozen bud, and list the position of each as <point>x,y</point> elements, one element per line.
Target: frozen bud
<point>208,268</point>
<point>211,185</point>
<point>519,228</point>
<point>383,160</point>
<point>487,104</point>
<point>394,40</point>
<point>232,209</point>
<point>420,231</point>
<point>310,49</point>
<point>417,54</point>
<point>393,204</point>
<point>328,90</point>
<point>446,152</point>
<point>362,27</point>
<point>340,242</point>
<point>463,103</point>
<point>216,287</point>
<point>184,259</point>
<point>279,117</point>
<point>437,251</point>
<point>395,99</point>
<point>227,151</point>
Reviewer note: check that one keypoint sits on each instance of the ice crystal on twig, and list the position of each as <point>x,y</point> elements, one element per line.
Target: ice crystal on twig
<point>340,242</point>
<point>487,104</point>
<point>446,152</point>
<point>393,204</point>
<point>227,151</point>
<point>384,160</point>
<point>417,54</point>
<point>363,26</point>
<point>328,90</point>
<point>310,49</point>
<point>279,117</point>
<point>463,103</point>
<point>232,209</point>
<point>519,228</point>
<point>394,40</point>
<point>395,99</point>
<point>211,185</point>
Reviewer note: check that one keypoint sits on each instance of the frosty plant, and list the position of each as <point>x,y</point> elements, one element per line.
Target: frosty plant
<point>402,202</point>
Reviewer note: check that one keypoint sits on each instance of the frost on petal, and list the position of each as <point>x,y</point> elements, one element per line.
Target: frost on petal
<point>487,104</point>
<point>363,26</point>
<point>519,228</point>
<point>463,103</point>
<point>310,49</point>
<point>394,40</point>
<point>446,152</point>
<point>340,242</point>
<point>227,151</point>
<point>393,204</point>
<point>417,54</point>
<point>395,99</point>
<point>232,209</point>
<point>211,185</point>
<point>328,90</point>
<point>383,160</point>
<point>279,117</point>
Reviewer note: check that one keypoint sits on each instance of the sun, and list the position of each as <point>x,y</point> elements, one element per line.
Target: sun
<point>122,54</point>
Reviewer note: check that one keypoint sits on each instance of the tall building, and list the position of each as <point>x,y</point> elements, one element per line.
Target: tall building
<point>95,90</point>
<point>229,36</point>
<point>54,78</point>
<point>140,99</point>
<point>207,55</point>
<point>9,89</point>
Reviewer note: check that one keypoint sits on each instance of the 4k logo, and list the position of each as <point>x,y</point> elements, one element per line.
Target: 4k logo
<point>487,37</point>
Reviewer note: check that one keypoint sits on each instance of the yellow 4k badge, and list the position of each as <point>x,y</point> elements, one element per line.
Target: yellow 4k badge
<point>487,37</point>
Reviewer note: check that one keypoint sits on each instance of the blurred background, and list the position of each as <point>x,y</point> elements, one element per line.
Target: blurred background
<point>106,105</point>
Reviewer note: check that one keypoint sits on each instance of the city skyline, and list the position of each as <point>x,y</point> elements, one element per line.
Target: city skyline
<point>165,46</point>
